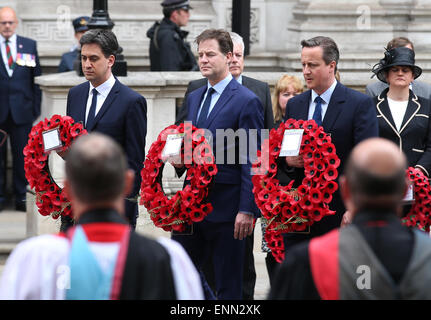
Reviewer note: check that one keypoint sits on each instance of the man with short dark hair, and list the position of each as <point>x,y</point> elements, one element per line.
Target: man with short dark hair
<point>220,105</point>
<point>20,100</point>
<point>420,88</point>
<point>375,257</point>
<point>348,116</point>
<point>80,25</point>
<point>169,50</point>
<point>100,258</point>
<point>105,105</point>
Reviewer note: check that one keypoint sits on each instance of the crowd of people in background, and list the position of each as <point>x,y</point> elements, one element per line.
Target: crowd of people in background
<point>377,135</point>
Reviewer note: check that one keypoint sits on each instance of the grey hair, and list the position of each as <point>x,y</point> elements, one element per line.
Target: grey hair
<point>236,38</point>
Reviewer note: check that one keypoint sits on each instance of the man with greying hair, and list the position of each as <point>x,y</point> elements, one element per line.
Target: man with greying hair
<point>375,257</point>
<point>261,90</point>
<point>105,105</point>
<point>348,116</point>
<point>101,257</point>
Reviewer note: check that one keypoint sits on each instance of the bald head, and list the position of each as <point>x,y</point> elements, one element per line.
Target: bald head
<point>378,156</point>
<point>8,22</point>
<point>375,174</point>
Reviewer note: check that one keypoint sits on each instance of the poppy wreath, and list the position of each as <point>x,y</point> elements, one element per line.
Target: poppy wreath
<point>419,215</point>
<point>50,198</point>
<point>287,209</point>
<point>190,204</point>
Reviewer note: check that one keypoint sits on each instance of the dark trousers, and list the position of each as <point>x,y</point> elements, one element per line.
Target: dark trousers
<point>18,136</point>
<point>249,271</point>
<point>215,240</point>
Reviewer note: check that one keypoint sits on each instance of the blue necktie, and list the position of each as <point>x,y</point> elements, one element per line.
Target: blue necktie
<point>92,112</point>
<point>205,108</point>
<point>317,115</point>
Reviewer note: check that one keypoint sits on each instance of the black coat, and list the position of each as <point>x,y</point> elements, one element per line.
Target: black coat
<point>168,49</point>
<point>413,138</point>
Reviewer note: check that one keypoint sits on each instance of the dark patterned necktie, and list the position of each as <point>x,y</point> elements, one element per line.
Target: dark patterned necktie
<point>317,116</point>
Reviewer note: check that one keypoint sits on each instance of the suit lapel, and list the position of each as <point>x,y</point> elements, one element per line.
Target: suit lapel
<point>334,107</point>
<point>194,107</point>
<point>412,108</point>
<point>300,112</point>
<point>20,48</point>
<point>226,95</point>
<point>82,102</point>
<point>384,111</point>
<point>107,103</point>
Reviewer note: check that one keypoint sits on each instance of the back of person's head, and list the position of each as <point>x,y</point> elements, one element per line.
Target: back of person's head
<point>399,42</point>
<point>106,40</point>
<point>282,85</point>
<point>221,36</point>
<point>329,47</point>
<point>95,168</point>
<point>376,175</point>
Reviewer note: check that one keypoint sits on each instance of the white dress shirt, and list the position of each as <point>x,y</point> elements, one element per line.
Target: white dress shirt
<point>326,97</point>
<point>398,110</point>
<point>102,93</point>
<point>12,46</point>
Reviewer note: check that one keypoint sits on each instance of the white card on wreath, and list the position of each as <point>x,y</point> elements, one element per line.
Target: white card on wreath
<point>51,140</point>
<point>291,143</point>
<point>409,198</point>
<point>173,145</point>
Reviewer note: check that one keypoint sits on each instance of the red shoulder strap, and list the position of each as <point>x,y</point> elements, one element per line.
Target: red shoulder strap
<point>120,264</point>
<point>323,253</point>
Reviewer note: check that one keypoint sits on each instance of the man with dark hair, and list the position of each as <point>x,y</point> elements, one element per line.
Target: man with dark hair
<point>169,50</point>
<point>375,257</point>
<point>101,257</point>
<point>261,89</point>
<point>105,105</point>
<point>20,100</point>
<point>347,115</point>
<point>419,88</point>
<point>80,25</point>
<point>220,105</point>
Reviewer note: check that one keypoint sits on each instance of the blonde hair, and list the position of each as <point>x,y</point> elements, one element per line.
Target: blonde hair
<point>282,85</point>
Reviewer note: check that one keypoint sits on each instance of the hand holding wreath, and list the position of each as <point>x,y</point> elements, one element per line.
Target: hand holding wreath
<point>50,198</point>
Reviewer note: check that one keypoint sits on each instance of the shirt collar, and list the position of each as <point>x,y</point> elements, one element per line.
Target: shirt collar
<point>221,85</point>
<point>239,79</point>
<point>105,87</point>
<point>12,39</point>
<point>326,96</point>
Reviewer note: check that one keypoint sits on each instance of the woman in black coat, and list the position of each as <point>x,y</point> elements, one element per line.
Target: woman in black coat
<point>403,117</point>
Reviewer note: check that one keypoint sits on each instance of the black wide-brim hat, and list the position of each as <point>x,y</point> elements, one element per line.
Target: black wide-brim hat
<point>401,56</point>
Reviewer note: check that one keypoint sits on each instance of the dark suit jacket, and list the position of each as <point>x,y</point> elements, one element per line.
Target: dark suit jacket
<point>349,119</point>
<point>19,94</point>
<point>414,135</point>
<point>67,60</point>
<point>123,117</point>
<point>237,108</point>
<point>261,89</point>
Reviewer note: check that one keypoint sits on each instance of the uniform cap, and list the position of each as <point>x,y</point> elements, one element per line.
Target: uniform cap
<point>176,4</point>
<point>81,23</point>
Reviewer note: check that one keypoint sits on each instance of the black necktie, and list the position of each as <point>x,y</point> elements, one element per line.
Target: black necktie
<point>205,108</point>
<point>317,116</point>
<point>92,112</point>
